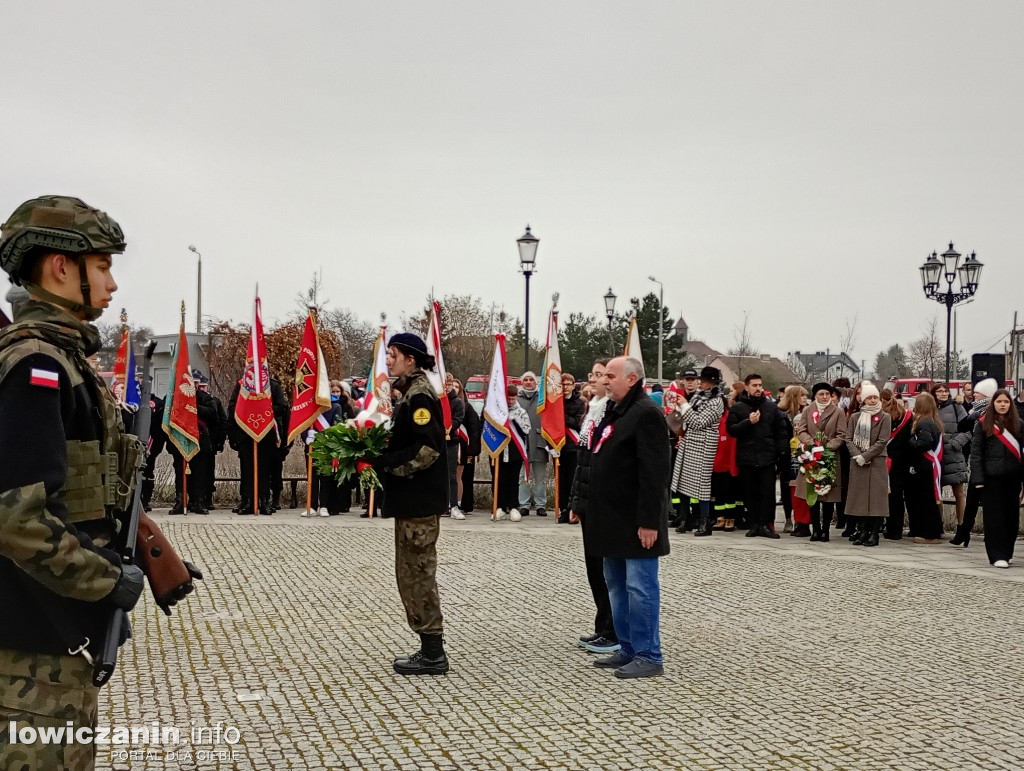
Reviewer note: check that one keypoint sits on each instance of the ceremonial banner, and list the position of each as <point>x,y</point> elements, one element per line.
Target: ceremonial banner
<point>496,433</point>
<point>125,385</point>
<point>254,411</point>
<point>550,406</point>
<point>438,377</point>
<point>311,395</point>
<point>633,342</point>
<point>181,418</point>
<point>378,383</point>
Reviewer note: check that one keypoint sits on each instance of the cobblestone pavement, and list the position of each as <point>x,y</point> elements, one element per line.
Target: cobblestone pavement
<point>779,654</point>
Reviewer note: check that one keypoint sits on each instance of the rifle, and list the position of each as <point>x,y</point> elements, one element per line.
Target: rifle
<point>104,666</point>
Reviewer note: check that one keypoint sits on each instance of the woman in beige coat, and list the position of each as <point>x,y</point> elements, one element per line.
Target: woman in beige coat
<point>867,497</point>
<point>824,417</point>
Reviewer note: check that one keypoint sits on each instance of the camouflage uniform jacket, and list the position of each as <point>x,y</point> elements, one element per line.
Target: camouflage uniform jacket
<point>415,465</point>
<point>57,419</point>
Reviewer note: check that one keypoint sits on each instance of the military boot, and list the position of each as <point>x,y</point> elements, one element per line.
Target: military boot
<point>704,526</point>
<point>429,660</point>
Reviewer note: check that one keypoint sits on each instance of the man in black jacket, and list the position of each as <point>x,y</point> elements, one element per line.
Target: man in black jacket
<point>414,472</point>
<point>628,516</point>
<point>761,443</point>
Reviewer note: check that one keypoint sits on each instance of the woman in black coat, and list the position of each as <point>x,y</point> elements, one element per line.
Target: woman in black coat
<point>996,468</point>
<point>899,455</point>
<point>923,485</point>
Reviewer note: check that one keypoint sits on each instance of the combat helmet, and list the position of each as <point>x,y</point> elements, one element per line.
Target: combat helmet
<point>57,223</point>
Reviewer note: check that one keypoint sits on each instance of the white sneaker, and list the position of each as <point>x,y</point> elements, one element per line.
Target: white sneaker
<point>324,513</point>
<point>500,514</point>
<point>457,513</point>
<point>514,515</point>
<point>306,514</point>
<point>1000,564</point>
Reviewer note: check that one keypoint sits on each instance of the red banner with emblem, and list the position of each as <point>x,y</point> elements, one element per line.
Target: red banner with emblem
<point>254,411</point>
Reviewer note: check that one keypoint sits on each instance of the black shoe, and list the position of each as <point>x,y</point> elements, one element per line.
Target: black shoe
<point>524,511</point>
<point>704,528</point>
<point>616,660</point>
<point>870,539</point>
<point>420,664</point>
<point>588,638</point>
<point>147,508</point>
<point>850,531</point>
<point>753,532</point>
<point>816,536</point>
<point>801,530</point>
<point>766,532</point>
<point>197,510</point>
<point>824,535</point>
<point>365,515</point>
<point>563,518</point>
<point>266,511</point>
<point>962,537</point>
<point>675,521</point>
<point>177,509</point>
<point>541,513</point>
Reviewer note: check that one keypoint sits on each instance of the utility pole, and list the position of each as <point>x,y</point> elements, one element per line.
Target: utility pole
<point>1015,348</point>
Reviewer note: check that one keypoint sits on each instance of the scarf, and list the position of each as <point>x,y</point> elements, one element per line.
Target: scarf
<point>862,433</point>
<point>822,407</point>
<point>595,414</point>
<point>528,394</point>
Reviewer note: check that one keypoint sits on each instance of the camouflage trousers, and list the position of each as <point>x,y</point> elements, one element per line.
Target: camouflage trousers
<point>40,692</point>
<point>416,571</point>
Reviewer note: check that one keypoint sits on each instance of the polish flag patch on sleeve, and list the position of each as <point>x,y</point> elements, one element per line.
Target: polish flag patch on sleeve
<point>45,378</point>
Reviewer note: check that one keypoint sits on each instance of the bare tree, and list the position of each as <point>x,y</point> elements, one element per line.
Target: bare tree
<point>744,344</point>
<point>926,355</point>
<point>849,337</point>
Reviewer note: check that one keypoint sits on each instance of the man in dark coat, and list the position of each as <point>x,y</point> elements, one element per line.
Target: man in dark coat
<point>761,444</point>
<point>628,509</point>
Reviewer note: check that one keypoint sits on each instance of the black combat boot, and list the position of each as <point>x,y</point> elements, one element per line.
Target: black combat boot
<point>429,660</point>
<point>852,528</point>
<point>704,527</point>
<point>177,508</point>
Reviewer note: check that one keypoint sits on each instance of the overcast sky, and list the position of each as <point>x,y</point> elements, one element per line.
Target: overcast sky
<point>797,160</point>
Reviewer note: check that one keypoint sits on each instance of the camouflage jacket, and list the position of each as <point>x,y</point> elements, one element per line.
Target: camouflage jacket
<point>58,423</point>
<point>415,465</point>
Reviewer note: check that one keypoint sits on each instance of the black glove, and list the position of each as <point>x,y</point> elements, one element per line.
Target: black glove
<point>182,591</point>
<point>128,588</point>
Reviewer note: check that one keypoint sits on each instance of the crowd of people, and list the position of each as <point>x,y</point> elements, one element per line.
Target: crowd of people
<point>735,457</point>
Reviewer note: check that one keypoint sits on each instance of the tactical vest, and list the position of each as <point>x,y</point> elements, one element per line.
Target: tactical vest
<point>101,473</point>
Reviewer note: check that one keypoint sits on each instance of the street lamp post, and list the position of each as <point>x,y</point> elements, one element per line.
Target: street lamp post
<point>609,311</point>
<point>199,291</point>
<point>948,267</point>
<point>527,263</point>
<point>661,322</point>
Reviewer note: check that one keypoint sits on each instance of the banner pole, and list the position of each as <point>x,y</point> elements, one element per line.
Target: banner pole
<point>369,505</point>
<point>184,486</point>
<point>494,495</point>
<point>558,467</point>
<point>255,480</point>
<point>309,483</point>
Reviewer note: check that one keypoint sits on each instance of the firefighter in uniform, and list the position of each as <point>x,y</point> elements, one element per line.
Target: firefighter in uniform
<point>66,481</point>
<point>415,478</point>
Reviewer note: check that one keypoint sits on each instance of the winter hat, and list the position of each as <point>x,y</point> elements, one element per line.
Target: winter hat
<point>986,387</point>
<point>867,388</point>
<point>822,387</point>
<point>711,375</point>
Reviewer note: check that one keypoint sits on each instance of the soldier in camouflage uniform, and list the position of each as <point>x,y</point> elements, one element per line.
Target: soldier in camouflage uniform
<point>415,478</point>
<point>66,478</point>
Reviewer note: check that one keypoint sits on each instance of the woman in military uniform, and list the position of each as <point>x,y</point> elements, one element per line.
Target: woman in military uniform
<point>414,472</point>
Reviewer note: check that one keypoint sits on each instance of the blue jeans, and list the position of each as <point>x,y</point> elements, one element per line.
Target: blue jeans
<point>537,488</point>
<point>635,596</point>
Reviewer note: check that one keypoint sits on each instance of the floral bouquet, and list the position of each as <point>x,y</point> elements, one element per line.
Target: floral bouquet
<point>347,449</point>
<point>819,465</point>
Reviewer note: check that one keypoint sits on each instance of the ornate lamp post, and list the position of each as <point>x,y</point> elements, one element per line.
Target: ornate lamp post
<point>527,263</point>
<point>609,311</point>
<point>948,267</point>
